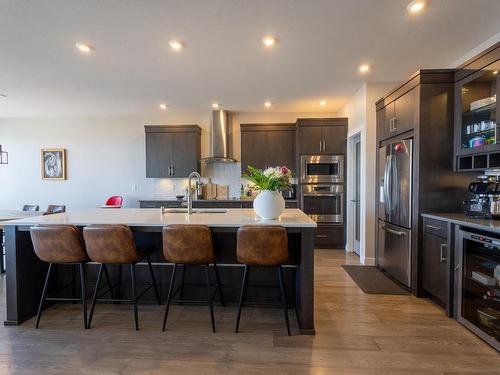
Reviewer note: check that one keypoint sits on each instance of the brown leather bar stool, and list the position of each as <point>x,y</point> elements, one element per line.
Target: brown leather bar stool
<point>60,244</point>
<point>114,244</point>
<point>262,246</point>
<point>190,245</point>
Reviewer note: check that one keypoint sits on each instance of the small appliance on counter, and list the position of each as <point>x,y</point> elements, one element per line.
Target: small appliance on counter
<point>486,201</point>
<point>289,193</point>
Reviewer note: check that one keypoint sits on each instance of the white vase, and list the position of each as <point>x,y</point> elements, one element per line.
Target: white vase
<point>269,204</point>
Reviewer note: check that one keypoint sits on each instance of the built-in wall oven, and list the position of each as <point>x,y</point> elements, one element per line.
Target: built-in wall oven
<point>479,285</point>
<point>323,203</point>
<point>323,169</point>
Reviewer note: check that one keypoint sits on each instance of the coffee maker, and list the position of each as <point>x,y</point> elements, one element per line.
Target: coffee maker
<point>486,201</point>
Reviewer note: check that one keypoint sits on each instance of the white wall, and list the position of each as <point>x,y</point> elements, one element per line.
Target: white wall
<point>105,156</point>
<point>475,51</point>
<point>360,109</point>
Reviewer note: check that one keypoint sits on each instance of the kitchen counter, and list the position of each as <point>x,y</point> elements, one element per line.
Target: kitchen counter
<point>461,219</point>
<point>152,217</point>
<point>26,273</point>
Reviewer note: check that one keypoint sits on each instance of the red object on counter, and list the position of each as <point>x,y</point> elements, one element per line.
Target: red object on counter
<point>115,200</point>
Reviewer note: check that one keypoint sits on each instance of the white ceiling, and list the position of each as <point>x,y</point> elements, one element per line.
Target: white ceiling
<point>321,43</point>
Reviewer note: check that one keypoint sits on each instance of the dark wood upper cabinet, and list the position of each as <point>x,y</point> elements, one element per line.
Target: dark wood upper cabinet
<point>172,151</point>
<point>322,136</point>
<point>398,116</point>
<point>405,112</point>
<point>477,143</point>
<point>266,145</point>
<point>310,140</point>
<point>384,121</point>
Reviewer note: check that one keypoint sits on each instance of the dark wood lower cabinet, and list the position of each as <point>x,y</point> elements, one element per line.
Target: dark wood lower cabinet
<point>208,204</point>
<point>330,237</point>
<point>436,263</point>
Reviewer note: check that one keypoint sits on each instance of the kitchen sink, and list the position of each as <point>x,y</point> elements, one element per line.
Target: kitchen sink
<point>196,211</point>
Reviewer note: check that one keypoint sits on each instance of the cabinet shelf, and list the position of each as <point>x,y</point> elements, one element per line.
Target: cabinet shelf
<point>487,108</point>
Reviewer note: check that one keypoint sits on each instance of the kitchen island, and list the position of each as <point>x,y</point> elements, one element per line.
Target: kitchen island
<point>25,272</point>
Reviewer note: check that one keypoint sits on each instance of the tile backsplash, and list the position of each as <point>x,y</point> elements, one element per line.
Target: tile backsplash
<point>219,173</point>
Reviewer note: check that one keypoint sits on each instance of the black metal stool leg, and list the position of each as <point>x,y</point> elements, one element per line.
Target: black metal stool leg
<point>94,297</point>
<point>283,298</point>
<point>219,286</point>
<point>134,297</point>
<point>108,280</point>
<point>119,286</point>
<point>183,279</point>
<point>84,296</point>
<point>210,299</point>
<point>242,295</point>
<point>169,295</point>
<point>44,293</point>
<point>153,280</point>
<point>73,283</point>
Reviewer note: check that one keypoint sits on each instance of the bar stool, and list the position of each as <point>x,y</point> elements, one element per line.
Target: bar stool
<point>262,246</point>
<point>190,245</point>
<point>114,244</point>
<point>60,244</point>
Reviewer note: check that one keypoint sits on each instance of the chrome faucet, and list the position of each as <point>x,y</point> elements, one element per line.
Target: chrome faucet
<point>189,195</point>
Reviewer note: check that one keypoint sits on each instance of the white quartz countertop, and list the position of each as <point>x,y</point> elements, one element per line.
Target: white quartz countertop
<point>148,217</point>
<point>464,220</point>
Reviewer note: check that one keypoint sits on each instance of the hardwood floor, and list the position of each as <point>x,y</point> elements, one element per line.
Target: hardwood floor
<point>356,334</point>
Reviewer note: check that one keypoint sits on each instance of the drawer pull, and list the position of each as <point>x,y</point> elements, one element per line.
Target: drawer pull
<point>443,258</point>
<point>433,227</point>
<point>321,236</point>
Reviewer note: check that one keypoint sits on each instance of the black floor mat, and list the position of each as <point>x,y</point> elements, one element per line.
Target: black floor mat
<point>373,281</point>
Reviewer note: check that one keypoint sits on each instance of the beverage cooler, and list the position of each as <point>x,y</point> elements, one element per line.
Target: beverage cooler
<point>479,285</point>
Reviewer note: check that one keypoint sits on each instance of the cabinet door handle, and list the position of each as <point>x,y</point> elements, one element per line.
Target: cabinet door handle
<point>390,125</point>
<point>321,236</point>
<point>443,258</point>
<point>320,145</point>
<point>394,122</point>
<point>432,227</point>
<point>324,145</point>
<point>173,170</point>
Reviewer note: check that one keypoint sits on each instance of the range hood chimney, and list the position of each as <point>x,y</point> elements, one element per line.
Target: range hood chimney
<point>219,138</point>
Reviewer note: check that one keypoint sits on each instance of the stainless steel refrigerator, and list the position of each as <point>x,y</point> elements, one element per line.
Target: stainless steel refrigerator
<point>395,205</point>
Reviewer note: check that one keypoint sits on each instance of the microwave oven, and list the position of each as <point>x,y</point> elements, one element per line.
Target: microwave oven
<point>322,169</point>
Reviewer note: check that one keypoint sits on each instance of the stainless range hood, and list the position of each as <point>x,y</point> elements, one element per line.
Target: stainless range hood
<point>220,137</point>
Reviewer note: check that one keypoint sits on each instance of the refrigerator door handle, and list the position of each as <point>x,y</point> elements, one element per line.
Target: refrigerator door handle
<point>388,185</point>
<point>392,231</point>
<point>397,199</point>
<point>387,203</point>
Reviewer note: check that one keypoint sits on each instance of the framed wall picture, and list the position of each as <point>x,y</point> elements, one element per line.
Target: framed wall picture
<point>53,164</point>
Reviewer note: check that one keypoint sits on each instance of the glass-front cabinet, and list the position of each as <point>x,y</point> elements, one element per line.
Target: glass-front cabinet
<point>476,119</point>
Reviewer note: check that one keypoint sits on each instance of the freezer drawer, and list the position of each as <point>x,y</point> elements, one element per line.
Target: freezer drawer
<point>394,252</point>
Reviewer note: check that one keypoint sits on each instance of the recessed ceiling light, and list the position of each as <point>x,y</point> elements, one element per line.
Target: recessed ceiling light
<point>268,104</point>
<point>416,6</point>
<point>269,41</point>
<point>322,103</point>
<point>495,72</point>
<point>175,45</point>
<point>215,105</point>
<point>363,68</point>
<point>84,47</point>
<point>163,106</point>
